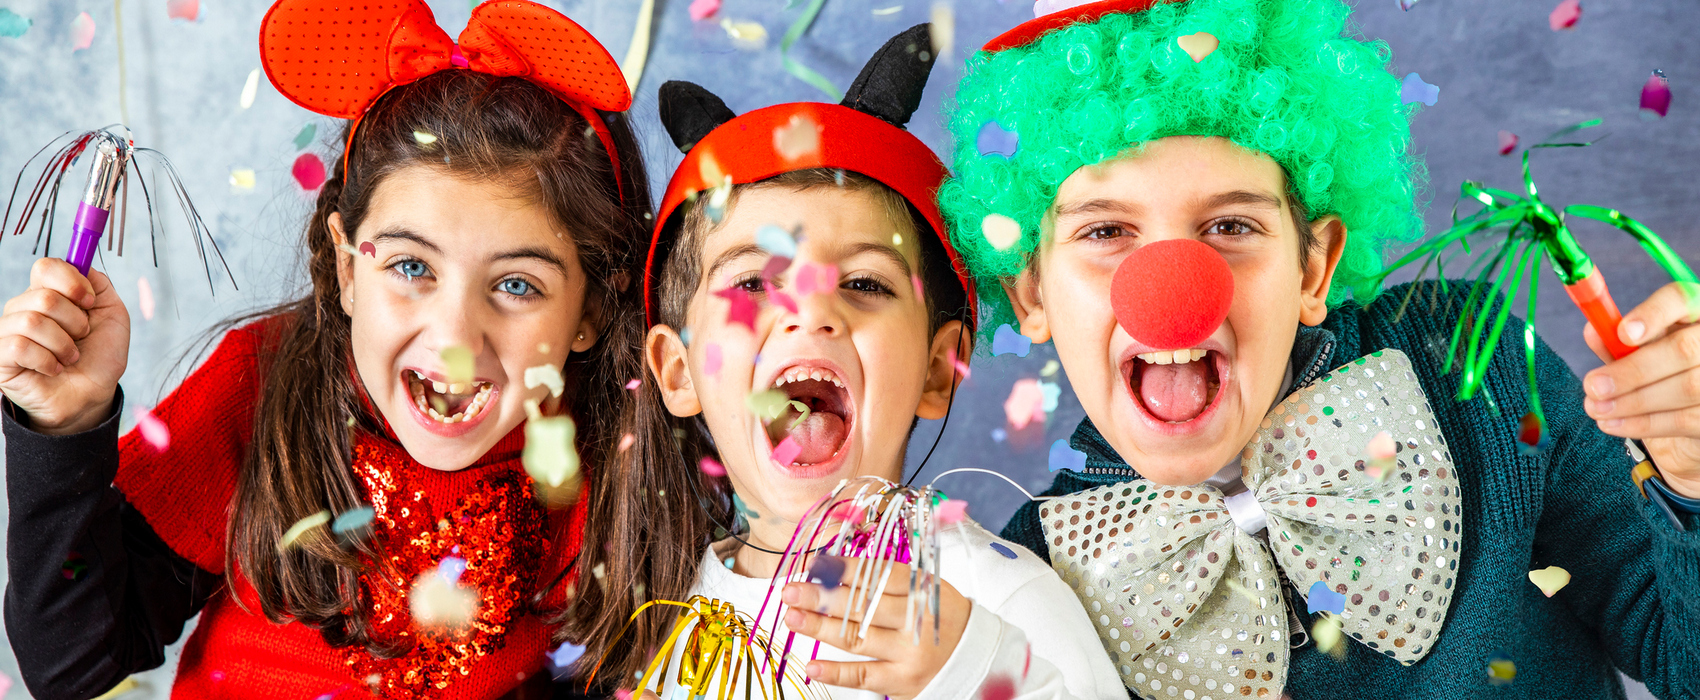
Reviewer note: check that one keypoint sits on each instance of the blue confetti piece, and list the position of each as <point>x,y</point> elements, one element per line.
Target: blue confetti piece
<point>1000,549</point>
<point>999,434</point>
<point>352,520</point>
<point>996,140</point>
<point>450,568</point>
<point>744,509</point>
<point>565,654</point>
<point>827,571</point>
<point>1009,342</point>
<point>776,241</point>
<point>1415,90</point>
<point>1065,457</point>
<point>1321,598</point>
<point>1052,393</point>
<point>12,24</point>
<point>685,336</point>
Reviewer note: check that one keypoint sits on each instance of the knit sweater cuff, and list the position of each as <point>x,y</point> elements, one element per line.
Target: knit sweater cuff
<point>79,462</point>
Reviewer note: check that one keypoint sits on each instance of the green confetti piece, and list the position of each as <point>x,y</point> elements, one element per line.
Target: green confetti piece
<point>800,71</point>
<point>12,24</point>
<point>767,404</point>
<point>306,135</point>
<point>802,410</point>
<point>300,528</point>
<point>458,363</point>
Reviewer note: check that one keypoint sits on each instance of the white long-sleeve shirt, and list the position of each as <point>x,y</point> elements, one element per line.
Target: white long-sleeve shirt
<point>1026,627</point>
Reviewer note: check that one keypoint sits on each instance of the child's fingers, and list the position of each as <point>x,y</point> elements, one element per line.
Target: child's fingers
<point>1592,338</point>
<point>59,276</point>
<point>1673,393</point>
<point>71,317</point>
<point>855,674</point>
<point>37,330</point>
<point>18,352</point>
<point>810,596</point>
<point>1683,423</point>
<point>879,643</point>
<point>1673,304</point>
<point>1669,356</point>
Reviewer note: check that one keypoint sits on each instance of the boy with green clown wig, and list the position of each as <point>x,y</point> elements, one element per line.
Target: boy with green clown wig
<point>1280,493</point>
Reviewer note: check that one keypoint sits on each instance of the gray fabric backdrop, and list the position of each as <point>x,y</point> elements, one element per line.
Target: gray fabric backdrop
<point>1498,66</point>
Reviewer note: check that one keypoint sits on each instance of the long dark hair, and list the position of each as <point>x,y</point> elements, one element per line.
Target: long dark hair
<point>502,129</point>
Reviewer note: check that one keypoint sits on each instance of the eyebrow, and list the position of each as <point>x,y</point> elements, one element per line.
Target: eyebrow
<point>730,254</point>
<point>1243,197</point>
<point>1097,206</point>
<point>542,255</point>
<point>881,250</point>
<point>397,233</point>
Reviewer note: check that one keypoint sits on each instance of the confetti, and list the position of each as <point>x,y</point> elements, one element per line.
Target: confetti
<point>82,32</point>
<point>783,300</point>
<point>183,9</point>
<point>1655,96</point>
<point>565,654</point>
<point>883,11</point>
<point>1413,89</point>
<point>943,29</point>
<point>1501,670</point>
<point>1006,341</point>
<point>1532,435</point>
<point>144,297</point>
<point>309,171</point>
<point>798,70</point>
<point>439,603</point>
<point>786,451</point>
<point>816,278</point>
<point>450,568</point>
<point>74,567</point>
<point>1550,580</point>
<point>351,520</point>
<point>775,266</point>
<point>626,441</point>
<point>124,686</point>
<point>1051,367</point>
<point>153,430</point>
<point>424,138</point>
<point>300,528</point>
<point>729,562</point>
<point>998,687</point>
<point>993,139</point>
<point>744,510</point>
<point>367,249</point>
<point>637,52</point>
<point>711,359</point>
<point>250,88</point>
<point>897,240</point>
<point>846,511</point>
<point>1406,5</point>
<point>457,363</point>
<point>828,571</point>
<point>741,308</point>
<point>799,138</point>
<point>1381,451</point>
<point>1507,142</point>
<point>1064,457</point>
<point>767,404</point>
<point>961,367</point>
<point>915,281</point>
<point>711,467</point>
<point>952,511</point>
<point>546,375</point>
<point>1330,639</point>
<point>1000,231</point>
<point>999,434</point>
<point>304,137</point>
<point>12,24</point>
<point>749,36</point>
<point>1001,549</point>
<point>1564,16</point>
<point>550,456</point>
<point>1322,598</point>
<point>1052,392</point>
<point>1199,46</point>
<point>776,241</point>
<point>1025,403</point>
<point>242,180</point>
<point>634,384</point>
<point>703,9</point>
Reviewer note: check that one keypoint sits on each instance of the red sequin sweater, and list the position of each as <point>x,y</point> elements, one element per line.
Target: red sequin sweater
<point>485,515</point>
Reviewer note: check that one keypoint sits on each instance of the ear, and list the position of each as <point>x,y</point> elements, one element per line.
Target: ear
<point>690,111</point>
<point>344,263</point>
<point>1324,258</point>
<point>891,83</point>
<point>1024,298</point>
<point>951,344</point>
<point>585,335</point>
<point>670,364</point>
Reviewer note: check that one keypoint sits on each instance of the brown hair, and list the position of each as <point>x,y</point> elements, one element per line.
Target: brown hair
<point>506,129</point>
<point>659,510</point>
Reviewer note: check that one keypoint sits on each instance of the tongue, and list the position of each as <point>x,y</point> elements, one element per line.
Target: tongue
<point>1174,393</point>
<point>819,436</point>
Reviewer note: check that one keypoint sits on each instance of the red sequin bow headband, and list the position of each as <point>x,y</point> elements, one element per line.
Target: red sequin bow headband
<point>337,59</point>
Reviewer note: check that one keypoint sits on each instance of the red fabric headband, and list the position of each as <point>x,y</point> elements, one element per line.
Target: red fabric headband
<point>849,140</point>
<point>337,59</point>
<point>1030,31</point>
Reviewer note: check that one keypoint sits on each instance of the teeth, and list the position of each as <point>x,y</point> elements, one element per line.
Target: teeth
<point>459,388</point>
<point>1178,357</point>
<point>417,390</point>
<point>797,374</point>
<point>440,387</point>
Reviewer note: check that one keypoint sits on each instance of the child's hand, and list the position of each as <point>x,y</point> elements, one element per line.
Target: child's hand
<point>901,669</point>
<point>1654,394</point>
<point>64,343</point>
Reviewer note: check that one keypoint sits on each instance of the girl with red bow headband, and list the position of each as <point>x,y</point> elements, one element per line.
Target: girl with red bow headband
<point>478,235</point>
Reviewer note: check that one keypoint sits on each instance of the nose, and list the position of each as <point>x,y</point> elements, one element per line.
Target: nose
<point>817,313</point>
<point>1173,293</point>
<point>455,318</point>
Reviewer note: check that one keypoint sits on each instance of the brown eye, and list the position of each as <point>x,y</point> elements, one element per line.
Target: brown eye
<point>1231,228</point>
<point>1103,232</point>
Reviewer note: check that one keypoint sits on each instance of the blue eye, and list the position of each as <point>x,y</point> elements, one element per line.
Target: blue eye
<point>516,287</point>
<point>411,268</point>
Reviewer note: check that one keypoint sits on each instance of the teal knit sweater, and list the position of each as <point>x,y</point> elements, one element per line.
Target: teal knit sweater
<point>1634,598</point>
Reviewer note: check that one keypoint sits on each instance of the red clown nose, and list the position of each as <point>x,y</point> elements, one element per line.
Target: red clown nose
<point>1172,294</point>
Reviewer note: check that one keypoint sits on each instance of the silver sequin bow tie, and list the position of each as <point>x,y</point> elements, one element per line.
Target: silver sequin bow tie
<point>1185,592</point>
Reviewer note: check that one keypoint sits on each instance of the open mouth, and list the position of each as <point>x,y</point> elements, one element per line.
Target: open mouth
<point>1176,386</point>
<point>817,417</point>
<point>447,403</point>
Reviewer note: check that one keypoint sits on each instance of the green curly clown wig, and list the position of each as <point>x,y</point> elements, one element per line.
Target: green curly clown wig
<point>1286,80</point>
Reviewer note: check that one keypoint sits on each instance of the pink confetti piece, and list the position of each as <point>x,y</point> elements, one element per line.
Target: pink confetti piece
<point>741,308</point>
<point>799,138</point>
<point>783,300</point>
<point>634,384</point>
<point>703,9</point>
<point>626,441</point>
<point>153,430</point>
<point>366,248</point>
<point>961,367</point>
<point>82,32</point>
<point>1026,403</point>
<point>144,299</point>
<point>1655,96</point>
<point>1565,15</point>
<point>309,171</point>
<point>846,511</point>
<point>786,451</point>
<point>713,468</point>
<point>1381,446</point>
<point>915,280</point>
<point>952,511</point>
<point>998,687</point>
<point>711,359</point>
<point>1507,142</point>
<point>816,278</point>
<point>776,266</point>
<point>183,9</point>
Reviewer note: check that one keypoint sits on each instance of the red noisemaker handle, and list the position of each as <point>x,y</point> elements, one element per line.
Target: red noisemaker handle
<point>1592,297</point>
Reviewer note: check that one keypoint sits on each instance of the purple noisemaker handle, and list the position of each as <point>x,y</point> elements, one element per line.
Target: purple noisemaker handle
<point>85,236</point>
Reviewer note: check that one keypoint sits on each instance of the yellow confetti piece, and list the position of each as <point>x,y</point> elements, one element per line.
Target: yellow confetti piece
<point>425,138</point>
<point>242,180</point>
<point>883,11</point>
<point>638,53</point>
<point>251,88</point>
<point>458,363</point>
<point>543,348</point>
<point>1050,369</point>
<point>438,603</point>
<point>799,138</point>
<point>545,375</point>
<point>1000,231</point>
<point>943,29</point>
<point>1199,46</point>
<point>1330,638</point>
<point>301,527</point>
<point>1550,580</point>
<point>346,248</point>
<point>124,686</point>
<point>767,404</point>
<point>550,456</point>
<point>749,36</point>
<point>1501,671</point>
<point>897,240</point>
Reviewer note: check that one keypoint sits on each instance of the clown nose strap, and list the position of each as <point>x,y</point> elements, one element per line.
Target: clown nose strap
<point>1172,294</point>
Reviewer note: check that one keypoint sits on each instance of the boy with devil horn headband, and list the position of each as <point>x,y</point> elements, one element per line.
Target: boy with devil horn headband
<point>1199,199</point>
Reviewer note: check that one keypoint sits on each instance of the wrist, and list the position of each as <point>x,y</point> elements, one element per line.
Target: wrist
<point>77,423</point>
